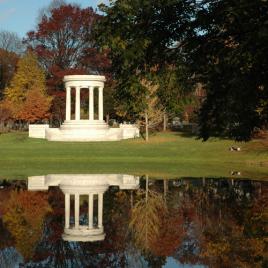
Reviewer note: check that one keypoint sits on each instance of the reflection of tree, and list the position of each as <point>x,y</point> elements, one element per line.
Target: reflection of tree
<point>24,214</point>
<point>146,218</point>
<point>217,224</point>
<point>5,237</point>
<point>233,234</point>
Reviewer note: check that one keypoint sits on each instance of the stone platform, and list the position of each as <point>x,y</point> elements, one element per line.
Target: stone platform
<point>84,131</point>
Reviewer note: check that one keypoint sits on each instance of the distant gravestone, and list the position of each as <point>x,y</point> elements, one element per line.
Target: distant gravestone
<point>176,123</point>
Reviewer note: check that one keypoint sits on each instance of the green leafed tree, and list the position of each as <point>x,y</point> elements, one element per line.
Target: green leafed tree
<point>142,37</point>
<point>227,51</point>
<point>223,43</point>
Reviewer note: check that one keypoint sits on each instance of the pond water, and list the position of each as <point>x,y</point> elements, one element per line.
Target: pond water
<point>128,221</point>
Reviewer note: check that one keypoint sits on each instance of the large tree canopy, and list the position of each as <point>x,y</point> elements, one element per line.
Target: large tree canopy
<point>227,51</point>
<point>142,37</point>
<point>142,34</point>
<point>63,42</point>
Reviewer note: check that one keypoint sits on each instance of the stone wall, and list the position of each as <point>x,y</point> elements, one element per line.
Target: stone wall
<point>38,131</point>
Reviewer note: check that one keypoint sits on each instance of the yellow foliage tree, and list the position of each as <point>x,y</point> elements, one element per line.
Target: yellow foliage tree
<point>154,112</point>
<point>29,76</point>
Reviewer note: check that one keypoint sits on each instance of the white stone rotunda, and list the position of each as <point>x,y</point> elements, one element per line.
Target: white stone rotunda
<point>90,129</point>
<point>78,186</point>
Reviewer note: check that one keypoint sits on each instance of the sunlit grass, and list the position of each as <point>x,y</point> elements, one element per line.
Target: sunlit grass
<point>165,155</point>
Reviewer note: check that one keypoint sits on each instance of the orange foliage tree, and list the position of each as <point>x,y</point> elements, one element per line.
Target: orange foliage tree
<point>36,106</point>
<point>5,112</point>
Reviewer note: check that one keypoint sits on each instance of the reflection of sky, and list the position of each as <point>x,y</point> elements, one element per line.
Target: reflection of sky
<point>172,263</point>
<point>9,257</point>
<point>20,15</point>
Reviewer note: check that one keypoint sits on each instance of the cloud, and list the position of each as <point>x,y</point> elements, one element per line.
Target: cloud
<point>6,14</point>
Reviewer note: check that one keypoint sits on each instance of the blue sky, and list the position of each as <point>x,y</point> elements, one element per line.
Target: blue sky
<point>20,15</point>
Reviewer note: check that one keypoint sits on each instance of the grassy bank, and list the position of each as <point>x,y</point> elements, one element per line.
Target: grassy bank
<point>166,154</point>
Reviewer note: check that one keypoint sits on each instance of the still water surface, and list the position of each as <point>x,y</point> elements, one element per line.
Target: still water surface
<point>128,221</point>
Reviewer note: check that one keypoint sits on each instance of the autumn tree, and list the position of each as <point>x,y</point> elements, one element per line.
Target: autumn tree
<point>28,75</point>
<point>64,45</point>
<point>47,10</point>
<point>154,112</point>
<point>27,90</point>
<point>36,106</point>
<point>5,113</point>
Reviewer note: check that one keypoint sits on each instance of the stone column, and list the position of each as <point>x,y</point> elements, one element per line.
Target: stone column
<point>91,103</point>
<point>101,103</point>
<point>68,103</point>
<point>77,103</point>
<point>67,211</point>
<point>90,211</point>
<point>100,209</point>
<point>76,211</point>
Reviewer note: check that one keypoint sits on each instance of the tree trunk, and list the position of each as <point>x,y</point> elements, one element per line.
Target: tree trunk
<point>146,127</point>
<point>2,125</point>
<point>131,200</point>
<point>165,122</point>
<point>165,181</point>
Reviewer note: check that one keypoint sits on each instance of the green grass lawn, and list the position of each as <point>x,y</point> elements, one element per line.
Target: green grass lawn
<point>165,155</point>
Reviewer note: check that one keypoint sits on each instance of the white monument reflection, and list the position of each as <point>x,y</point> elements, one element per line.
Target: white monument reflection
<point>89,186</point>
